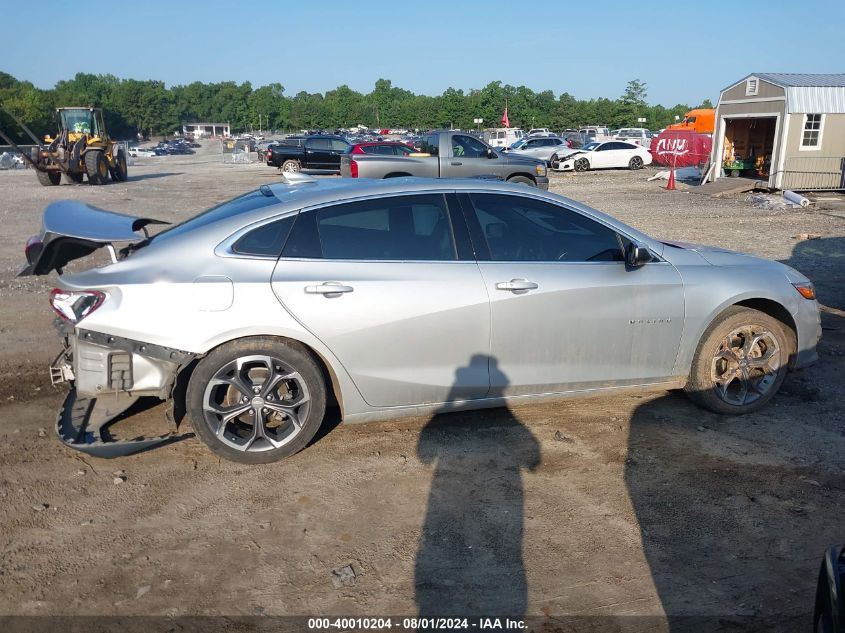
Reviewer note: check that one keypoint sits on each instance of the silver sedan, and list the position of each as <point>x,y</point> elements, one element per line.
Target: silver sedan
<point>398,297</point>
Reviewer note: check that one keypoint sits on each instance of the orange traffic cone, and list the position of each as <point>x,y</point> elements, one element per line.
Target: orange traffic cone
<point>671,185</point>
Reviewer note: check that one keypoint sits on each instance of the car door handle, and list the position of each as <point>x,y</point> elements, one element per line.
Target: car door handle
<point>455,163</point>
<point>328,288</point>
<point>516,284</point>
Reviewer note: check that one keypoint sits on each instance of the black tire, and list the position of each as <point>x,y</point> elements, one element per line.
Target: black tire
<point>729,358</point>
<point>49,178</point>
<point>212,389</point>
<point>635,163</point>
<point>581,164</point>
<point>291,166</point>
<point>119,173</point>
<point>74,178</point>
<point>97,167</point>
<point>524,180</point>
<point>554,163</point>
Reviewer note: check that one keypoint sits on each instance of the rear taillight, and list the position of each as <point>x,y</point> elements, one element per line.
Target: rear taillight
<point>75,305</point>
<point>33,248</point>
<point>353,168</point>
<point>269,152</point>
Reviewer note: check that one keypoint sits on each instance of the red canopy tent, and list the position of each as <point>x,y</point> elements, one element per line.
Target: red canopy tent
<point>681,148</point>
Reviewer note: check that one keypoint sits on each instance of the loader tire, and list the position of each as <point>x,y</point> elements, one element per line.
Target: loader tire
<point>49,178</point>
<point>97,167</point>
<point>74,178</point>
<point>119,173</point>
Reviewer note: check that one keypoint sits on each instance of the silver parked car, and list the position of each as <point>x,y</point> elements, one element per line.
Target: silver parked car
<point>394,297</point>
<point>542,148</point>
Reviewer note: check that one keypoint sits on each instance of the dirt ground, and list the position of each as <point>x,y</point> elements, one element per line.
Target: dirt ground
<point>634,505</point>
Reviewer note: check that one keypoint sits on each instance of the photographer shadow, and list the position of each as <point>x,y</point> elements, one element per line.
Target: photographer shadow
<point>469,560</point>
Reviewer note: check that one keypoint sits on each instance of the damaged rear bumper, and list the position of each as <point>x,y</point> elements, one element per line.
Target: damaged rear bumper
<point>107,375</point>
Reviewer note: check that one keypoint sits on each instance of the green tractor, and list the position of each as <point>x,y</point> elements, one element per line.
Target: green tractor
<point>81,148</point>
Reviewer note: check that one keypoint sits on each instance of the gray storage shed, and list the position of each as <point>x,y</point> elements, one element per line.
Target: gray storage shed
<point>784,129</point>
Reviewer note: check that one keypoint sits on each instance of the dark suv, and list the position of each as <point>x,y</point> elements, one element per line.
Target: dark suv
<point>314,152</point>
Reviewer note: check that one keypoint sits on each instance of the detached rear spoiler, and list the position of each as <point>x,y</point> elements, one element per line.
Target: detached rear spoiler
<point>71,230</point>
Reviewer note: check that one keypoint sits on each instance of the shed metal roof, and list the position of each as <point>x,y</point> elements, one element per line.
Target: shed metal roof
<point>808,93</point>
<point>804,80</point>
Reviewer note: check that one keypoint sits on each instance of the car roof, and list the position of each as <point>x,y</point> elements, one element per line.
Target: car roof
<point>316,192</point>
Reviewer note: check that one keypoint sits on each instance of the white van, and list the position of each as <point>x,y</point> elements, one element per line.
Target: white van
<point>637,135</point>
<point>502,136</point>
<point>597,133</point>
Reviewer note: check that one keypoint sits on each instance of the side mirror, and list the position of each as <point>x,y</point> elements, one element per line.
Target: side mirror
<point>491,153</point>
<point>637,255</point>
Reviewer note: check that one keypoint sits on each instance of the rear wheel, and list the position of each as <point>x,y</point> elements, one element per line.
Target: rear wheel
<point>291,166</point>
<point>256,400</point>
<point>74,178</point>
<point>635,163</point>
<point>119,173</point>
<point>525,180</point>
<point>582,164</point>
<point>49,178</point>
<point>740,362</point>
<point>97,167</point>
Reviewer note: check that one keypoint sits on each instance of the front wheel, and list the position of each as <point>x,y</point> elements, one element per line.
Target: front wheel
<point>256,400</point>
<point>97,167</point>
<point>740,362</point>
<point>635,163</point>
<point>582,164</point>
<point>291,166</point>
<point>523,180</point>
<point>49,178</point>
<point>119,173</point>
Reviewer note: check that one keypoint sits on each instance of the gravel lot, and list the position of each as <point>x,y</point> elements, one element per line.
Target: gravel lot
<point>606,506</point>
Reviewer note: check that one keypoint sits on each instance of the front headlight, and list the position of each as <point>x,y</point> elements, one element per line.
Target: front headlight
<point>541,170</point>
<point>805,289</point>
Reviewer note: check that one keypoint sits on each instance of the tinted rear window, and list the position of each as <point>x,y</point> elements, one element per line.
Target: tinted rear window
<point>267,240</point>
<point>242,204</point>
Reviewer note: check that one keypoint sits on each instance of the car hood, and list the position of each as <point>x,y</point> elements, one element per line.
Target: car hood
<point>71,230</point>
<point>716,256</point>
<point>513,158</point>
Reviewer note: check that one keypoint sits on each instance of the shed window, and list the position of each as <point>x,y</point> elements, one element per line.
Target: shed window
<point>751,86</point>
<point>811,137</point>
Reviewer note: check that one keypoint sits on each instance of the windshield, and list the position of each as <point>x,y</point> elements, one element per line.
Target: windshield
<point>78,121</point>
<point>590,146</point>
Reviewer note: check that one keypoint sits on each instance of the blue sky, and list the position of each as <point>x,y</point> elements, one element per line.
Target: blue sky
<point>684,51</point>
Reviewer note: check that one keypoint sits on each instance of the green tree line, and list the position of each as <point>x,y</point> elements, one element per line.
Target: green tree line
<point>151,108</point>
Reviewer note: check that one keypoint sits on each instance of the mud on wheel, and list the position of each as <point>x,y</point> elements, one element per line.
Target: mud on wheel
<point>256,400</point>
<point>740,362</point>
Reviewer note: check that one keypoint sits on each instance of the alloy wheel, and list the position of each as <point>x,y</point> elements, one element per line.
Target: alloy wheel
<point>256,403</point>
<point>745,366</point>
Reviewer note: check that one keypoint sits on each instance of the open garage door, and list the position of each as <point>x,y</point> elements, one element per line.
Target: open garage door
<point>748,146</point>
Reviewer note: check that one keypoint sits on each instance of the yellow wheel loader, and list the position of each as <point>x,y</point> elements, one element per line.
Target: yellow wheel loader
<point>81,148</point>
